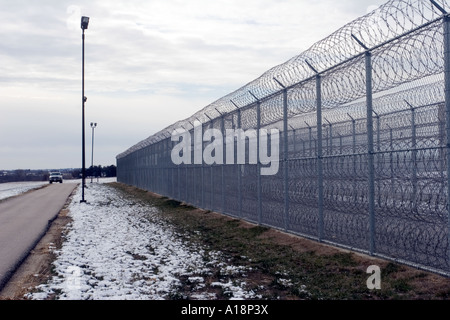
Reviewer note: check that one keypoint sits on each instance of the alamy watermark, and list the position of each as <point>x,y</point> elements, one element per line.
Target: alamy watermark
<point>374,281</point>
<point>212,147</point>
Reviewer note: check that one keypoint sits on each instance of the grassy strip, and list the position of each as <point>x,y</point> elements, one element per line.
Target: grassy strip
<point>291,267</point>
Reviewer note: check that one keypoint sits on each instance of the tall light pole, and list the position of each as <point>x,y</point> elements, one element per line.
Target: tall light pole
<point>93,125</point>
<point>84,26</point>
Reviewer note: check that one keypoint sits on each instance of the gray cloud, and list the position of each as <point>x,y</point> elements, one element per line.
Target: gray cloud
<point>148,64</point>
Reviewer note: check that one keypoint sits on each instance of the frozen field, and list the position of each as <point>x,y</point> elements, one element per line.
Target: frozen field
<point>11,189</point>
<point>117,248</point>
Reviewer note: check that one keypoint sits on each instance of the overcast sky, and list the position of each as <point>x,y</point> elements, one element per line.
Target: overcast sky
<point>149,63</point>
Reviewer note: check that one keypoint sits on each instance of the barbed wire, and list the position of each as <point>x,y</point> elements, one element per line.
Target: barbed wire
<point>400,62</point>
<point>405,40</point>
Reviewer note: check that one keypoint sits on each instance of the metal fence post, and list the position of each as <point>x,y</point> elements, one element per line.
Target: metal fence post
<point>294,141</point>
<point>161,172</point>
<point>447,112</point>
<point>179,181</point>
<point>203,173</point>
<point>222,125</point>
<point>186,178</point>
<point>310,139</point>
<point>329,137</point>
<point>239,167</point>
<point>391,164</point>
<point>258,163</point>
<point>319,152</point>
<point>211,178</point>
<point>285,159</point>
<point>285,155</point>
<point>370,151</point>
<point>446,27</point>
<point>193,167</point>
<point>319,155</point>
<point>353,133</point>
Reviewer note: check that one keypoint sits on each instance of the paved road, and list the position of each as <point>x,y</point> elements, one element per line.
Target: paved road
<point>24,220</point>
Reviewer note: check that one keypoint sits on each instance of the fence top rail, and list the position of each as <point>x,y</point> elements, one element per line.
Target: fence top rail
<point>387,23</point>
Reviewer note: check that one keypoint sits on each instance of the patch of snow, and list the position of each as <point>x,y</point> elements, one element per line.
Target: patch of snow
<point>11,189</point>
<point>118,248</point>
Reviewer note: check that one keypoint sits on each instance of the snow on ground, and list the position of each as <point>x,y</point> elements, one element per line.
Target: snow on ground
<point>117,248</point>
<point>11,189</point>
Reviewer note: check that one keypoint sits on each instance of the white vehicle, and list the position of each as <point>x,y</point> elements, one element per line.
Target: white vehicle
<point>55,177</point>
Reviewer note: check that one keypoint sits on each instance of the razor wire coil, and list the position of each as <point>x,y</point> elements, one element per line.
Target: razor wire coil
<point>404,40</point>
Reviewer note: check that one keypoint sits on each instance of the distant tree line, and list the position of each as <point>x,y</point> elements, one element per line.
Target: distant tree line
<point>96,171</point>
<point>23,175</point>
<point>42,175</point>
<point>99,171</point>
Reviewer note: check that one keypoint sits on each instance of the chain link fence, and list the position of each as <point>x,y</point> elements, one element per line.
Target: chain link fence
<point>363,119</point>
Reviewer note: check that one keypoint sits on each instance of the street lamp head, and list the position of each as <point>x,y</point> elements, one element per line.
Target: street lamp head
<point>93,125</point>
<point>84,22</point>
